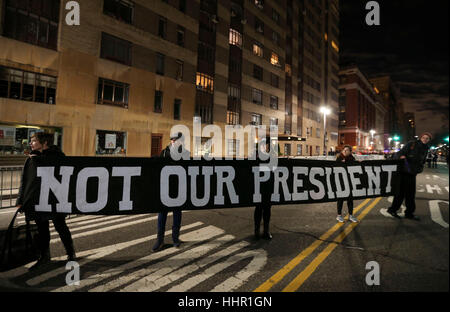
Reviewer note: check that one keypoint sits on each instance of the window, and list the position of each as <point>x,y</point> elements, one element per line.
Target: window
<point>119,9</point>
<point>180,36</point>
<point>259,4</point>
<point>205,52</point>
<point>274,102</point>
<point>259,26</point>
<point>232,118</point>
<point>288,69</point>
<point>299,149</point>
<point>317,132</point>
<point>257,72</point>
<point>27,86</point>
<point>205,83</point>
<point>256,119</point>
<point>235,65</point>
<point>257,96</point>
<point>275,16</point>
<point>158,104</point>
<point>234,92</point>
<point>177,109</point>
<point>287,149</point>
<point>235,38</point>
<point>162,25</point>
<point>113,93</point>
<point>110,143</point>
<point>273,121</point>
<point>274,59</point>
<point>179,74</point>
<point>116,49</point>
<point>35,22</point>
<point>274,80</point>
<point>317,150</point>
<point>232,147</point>
<point>160,63</point>
<point>182,6</point>
<point>258,49</point>
<point>276,37</point>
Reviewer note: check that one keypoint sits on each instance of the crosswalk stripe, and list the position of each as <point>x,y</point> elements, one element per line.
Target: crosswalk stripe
<point>152,275</point>
<point>104,229</point>
<point>95,254</point>
<point>191,237</point>
<point>232,283</point>
<point>197,279</point>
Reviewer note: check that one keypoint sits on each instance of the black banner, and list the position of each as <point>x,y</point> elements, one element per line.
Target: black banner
<point>110,186</point>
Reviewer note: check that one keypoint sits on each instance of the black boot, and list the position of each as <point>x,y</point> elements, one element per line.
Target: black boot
<point>71,256</point>
<point>42,261</point>
<point>159,242</point>
<point>266,234</point>
<point>257,233</point>
<point>176,237</point>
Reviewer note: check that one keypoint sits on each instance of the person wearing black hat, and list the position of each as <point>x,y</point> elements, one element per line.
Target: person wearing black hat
<point>414,154</point>
<point>176,144</point>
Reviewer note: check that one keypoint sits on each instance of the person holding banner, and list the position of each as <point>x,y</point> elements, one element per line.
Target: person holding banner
<point>41,146</point>
<point>346,157</point>
<point>176,143</point>
<point>414,154</point>
<point>262,210</point>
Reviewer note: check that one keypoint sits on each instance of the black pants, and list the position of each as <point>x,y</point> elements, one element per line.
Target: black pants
<point>44,234</point>
<point>262,212</point>
<point>407,192</point>
<point>340,204</point>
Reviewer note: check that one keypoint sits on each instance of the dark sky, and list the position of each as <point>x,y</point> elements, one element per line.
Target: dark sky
<point>410,45</point>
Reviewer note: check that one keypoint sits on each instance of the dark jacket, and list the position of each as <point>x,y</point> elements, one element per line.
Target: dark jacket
<point>416,154</point>
<point>29,191</point>
<point>166,152</point>
<point>349,159</point>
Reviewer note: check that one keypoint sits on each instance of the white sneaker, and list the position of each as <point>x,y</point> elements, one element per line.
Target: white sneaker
<point>353,219</point>
<point>340,219</point>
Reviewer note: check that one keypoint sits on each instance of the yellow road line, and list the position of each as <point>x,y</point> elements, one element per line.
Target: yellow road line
<point>277,277</point>
<point>306,273</point>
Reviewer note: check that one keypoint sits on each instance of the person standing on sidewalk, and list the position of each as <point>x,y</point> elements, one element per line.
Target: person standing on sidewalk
<point>175,143</point>
<point>345,157</point>
<point>435,159</point>
<point>41,146</point>
<point>414,155</point>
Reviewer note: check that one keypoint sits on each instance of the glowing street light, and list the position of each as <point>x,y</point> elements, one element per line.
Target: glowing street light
<point>325,111</point>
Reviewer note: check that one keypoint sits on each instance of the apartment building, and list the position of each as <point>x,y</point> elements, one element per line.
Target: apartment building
<point>118,82</point>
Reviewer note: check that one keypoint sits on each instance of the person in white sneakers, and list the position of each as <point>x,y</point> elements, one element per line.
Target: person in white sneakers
<point>346,157</point>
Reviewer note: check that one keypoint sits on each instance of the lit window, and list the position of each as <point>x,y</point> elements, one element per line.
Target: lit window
<point>274,59</point>
<point>258,49</point>
<point>334,45</point>
<point>288,69</point>
<point>205,83</point>
<point>232,118</point>
<point>235,38</point>
<point>256,119</point>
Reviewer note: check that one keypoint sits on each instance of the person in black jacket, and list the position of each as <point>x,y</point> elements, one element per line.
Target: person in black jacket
<point>263,209</point>
<point>175,143</point>
<point>414,154</point>
<point>41,145</point>
<point>345,157</point>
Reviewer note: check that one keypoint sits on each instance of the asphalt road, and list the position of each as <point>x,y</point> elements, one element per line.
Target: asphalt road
<point>309,252</point>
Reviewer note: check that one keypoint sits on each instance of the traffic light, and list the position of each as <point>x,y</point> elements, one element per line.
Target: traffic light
<point>446,139</point>
<point>396,138</point>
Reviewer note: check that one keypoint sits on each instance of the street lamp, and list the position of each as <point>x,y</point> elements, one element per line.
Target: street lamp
<point>372,132</point>
<point>325,111</point>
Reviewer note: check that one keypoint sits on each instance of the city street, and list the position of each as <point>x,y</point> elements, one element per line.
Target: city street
<point>309,252</point>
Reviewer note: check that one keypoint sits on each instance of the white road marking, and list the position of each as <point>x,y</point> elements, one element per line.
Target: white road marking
<point>197,279</point>
<point>103,229</point>
<point>446,188</point>
<point>232,283</point>
<point>149,275</point>
<point>431,189</point>
<point>384,212</point>
<point>436,214</point>
<point>95,254</point>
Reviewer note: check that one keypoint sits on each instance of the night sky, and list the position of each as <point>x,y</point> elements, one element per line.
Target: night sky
<point>410,45</point>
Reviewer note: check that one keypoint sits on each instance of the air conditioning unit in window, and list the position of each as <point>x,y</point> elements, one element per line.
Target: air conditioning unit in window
<point>259,29</point>
<point>214,19</point>
<point>260,6</point>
